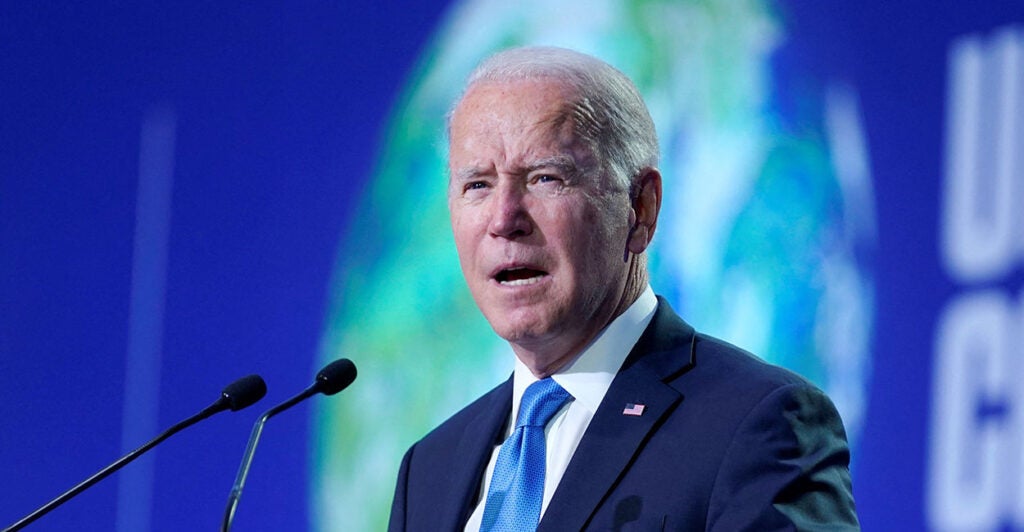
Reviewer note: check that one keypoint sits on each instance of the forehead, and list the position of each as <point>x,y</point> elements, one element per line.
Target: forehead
<point>531,94</point>
<point>517,103</point>
<point>516,118</point>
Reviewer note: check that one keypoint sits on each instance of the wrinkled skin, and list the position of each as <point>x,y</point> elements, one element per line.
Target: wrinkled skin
<point>550,244</point>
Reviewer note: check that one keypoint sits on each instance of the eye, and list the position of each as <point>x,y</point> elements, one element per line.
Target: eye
<point>547,178</point>
<point>475,185</point>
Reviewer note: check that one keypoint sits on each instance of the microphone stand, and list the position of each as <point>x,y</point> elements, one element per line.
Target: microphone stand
<point>333,378</point>
<point>250,450</point>
<point>123,461</point>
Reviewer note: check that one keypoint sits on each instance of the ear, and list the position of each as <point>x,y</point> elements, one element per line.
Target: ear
<point>646,206</point>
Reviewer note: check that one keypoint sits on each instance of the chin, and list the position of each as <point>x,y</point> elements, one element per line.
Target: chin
<point>518,329</point>
<point>515,328</point>
<point>515,333</point>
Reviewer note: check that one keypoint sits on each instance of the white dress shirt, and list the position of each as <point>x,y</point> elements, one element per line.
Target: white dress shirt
<point>587,379</point>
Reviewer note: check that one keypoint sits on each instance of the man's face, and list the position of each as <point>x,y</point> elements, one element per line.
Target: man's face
<point>541,231</point>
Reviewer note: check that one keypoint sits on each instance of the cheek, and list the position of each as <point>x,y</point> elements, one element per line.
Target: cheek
<point>600,243</point>
<point>583,241</point>
<point>600,226</point>
<point>469,232</point>
<point>461,218</point>
<point>462,233</point>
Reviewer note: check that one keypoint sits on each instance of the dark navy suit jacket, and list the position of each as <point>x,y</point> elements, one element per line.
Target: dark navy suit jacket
<point>726,442</point>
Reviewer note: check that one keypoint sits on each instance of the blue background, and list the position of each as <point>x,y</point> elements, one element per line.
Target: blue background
<point>280,113</point>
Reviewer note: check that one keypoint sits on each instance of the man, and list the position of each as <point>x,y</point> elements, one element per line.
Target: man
<point>618,415</point>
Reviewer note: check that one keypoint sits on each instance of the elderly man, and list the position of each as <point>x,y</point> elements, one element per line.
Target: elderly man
<point>618,414</point>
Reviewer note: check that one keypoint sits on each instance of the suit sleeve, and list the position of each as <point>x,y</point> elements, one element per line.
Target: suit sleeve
<point>787,467</point>
<point>397,521</point>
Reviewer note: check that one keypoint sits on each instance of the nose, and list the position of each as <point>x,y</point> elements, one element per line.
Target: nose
<point>510,217</point>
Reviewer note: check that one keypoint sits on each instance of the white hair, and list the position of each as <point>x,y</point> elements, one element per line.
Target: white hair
<point>608,112</point>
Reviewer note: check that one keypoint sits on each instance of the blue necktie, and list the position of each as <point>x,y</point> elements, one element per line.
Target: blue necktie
<point>517,485</point>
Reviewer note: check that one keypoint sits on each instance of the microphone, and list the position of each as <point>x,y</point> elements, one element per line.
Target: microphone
<point>235,396</point>
<point>333,378</point>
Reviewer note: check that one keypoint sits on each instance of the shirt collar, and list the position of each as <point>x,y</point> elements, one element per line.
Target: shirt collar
<point>589,375</point>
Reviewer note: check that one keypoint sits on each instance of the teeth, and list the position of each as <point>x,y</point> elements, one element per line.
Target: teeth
<point>522,282</point>
<point>519,276</point>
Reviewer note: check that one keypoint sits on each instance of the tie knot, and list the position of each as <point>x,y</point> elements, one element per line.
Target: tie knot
<point>540,402</point>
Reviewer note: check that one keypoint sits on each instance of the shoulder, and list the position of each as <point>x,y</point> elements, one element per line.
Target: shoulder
<point>783,443</point>
<point>739,369</point>
<point>697,363</point>
<point>736,385</point>
<point>669,346</point>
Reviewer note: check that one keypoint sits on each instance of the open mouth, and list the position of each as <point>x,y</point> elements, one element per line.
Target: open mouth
<point>519,276</point>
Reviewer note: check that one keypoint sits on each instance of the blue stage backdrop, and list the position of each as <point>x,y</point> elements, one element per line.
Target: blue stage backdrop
<point>189,194</point>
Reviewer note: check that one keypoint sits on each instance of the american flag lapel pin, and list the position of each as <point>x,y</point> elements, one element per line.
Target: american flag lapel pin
<point>633,409</point>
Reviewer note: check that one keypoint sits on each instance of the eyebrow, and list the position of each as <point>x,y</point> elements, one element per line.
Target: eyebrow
<point>564,163</point>
<point>469,173</point>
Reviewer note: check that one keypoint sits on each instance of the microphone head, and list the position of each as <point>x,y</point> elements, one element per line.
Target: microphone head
<point>336,376</point>
<point>244,392</point>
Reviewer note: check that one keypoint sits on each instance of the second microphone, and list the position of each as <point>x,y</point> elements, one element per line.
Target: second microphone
<point>333,378</point>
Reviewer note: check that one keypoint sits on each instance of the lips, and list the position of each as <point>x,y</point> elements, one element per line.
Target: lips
<point>519,276</point>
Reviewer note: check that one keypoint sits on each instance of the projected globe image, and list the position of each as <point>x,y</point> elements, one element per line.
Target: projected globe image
<point>765,238</point>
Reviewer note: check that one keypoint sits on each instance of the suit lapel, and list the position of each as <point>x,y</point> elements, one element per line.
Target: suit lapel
<point>613,439</point>
<point>472,454</point>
